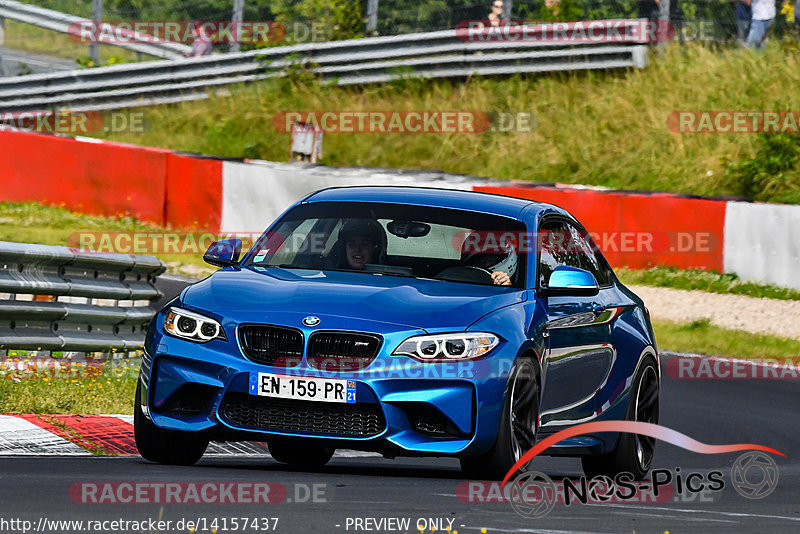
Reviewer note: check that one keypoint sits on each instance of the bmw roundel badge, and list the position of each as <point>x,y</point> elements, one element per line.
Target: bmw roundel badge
<point>311,321</point>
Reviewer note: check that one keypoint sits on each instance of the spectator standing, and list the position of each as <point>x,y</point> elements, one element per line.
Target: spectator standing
<point>763,17</point>
<point>497,12</point>
<point>743,16</point>
<point>201,46</point>
<point>649,9</point>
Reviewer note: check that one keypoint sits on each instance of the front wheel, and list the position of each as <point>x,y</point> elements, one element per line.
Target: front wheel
<point>519,425</point>
<point>164,446</point>
<point>633,453</point>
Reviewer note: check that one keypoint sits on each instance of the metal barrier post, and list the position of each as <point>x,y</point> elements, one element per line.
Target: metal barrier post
<point>663,19</point>
<point>236,19</point>
<point>2,37</point>
<point>97,17</point>
<point>372,17</point>
<point>507,4</point>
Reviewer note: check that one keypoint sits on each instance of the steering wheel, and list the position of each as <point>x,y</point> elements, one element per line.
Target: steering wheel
<point>467,273</point>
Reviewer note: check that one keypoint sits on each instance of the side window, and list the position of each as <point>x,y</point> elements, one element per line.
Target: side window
<point>601,269</point>
<point>561,243</point>
<point>552,251</point>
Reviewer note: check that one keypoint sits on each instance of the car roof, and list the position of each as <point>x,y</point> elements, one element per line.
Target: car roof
<point>429,196</point>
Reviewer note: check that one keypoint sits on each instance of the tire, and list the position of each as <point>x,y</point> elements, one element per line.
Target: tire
<point>164,446</point>
<point>300,453</point>
<point>633,453</point>
<point>519,425</point>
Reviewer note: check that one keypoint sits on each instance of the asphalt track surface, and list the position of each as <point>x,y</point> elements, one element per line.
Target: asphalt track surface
<point>15,63</point>
<point>710,411</point>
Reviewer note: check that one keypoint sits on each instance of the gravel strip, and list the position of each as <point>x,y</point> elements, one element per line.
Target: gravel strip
<point>737,312</point>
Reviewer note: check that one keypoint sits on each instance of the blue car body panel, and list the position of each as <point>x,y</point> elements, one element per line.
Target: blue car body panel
<point>588,348</point>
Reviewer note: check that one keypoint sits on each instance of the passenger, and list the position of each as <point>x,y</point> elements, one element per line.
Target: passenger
<point>502,266</point>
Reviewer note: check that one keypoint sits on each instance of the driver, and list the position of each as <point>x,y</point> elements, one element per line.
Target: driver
<point>363,241</point>
<point>502,266</point>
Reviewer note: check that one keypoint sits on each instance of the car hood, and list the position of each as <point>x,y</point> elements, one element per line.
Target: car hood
<point>408,302</point>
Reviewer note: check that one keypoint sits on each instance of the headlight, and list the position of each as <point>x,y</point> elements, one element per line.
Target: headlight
<point>192,326</point>
<point>443,347</point>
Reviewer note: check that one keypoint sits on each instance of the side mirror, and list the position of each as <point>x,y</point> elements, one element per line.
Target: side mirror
<point>223,253</point>
<point>571,281</point>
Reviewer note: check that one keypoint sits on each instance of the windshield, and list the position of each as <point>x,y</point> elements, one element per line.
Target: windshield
<point>396,240</point>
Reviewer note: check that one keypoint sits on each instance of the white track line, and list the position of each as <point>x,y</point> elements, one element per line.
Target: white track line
<point>712,512</point>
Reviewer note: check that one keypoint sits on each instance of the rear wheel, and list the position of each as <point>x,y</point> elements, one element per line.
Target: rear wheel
<point>300,453</point>
<point>519,425</point>
<point>634,453</point>
<point>164,446</point>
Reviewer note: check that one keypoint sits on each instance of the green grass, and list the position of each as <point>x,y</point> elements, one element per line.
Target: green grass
<point>704,338</point>
<point>599,128</point>
<point>709,281</point>
<point>100,388</point>
<point>34,223</point>
<point>64,396</point>
<point>28,38</point>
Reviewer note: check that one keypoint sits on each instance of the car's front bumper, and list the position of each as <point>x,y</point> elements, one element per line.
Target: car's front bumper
<point>403,407</point>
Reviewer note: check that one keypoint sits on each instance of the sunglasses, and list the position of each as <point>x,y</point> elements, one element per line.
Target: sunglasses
<point>498,6</point>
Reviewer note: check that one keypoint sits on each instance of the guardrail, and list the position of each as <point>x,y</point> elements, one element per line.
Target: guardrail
<point>444,54</point>
<point>55,299</point>
<point>65,23</point>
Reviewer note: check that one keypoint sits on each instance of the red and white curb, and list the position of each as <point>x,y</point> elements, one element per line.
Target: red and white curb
<point>19,436</point>
<point>103,435</point>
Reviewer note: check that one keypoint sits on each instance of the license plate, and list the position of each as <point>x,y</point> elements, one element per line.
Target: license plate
<point>294,387</point>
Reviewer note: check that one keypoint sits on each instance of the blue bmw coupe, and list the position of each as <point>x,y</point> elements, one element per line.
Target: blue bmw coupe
<point>407,321</point>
